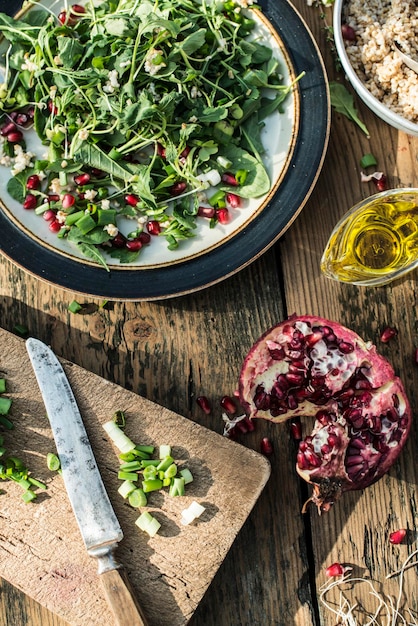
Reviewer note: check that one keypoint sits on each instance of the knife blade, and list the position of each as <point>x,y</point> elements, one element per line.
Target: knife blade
<point>97,521</point>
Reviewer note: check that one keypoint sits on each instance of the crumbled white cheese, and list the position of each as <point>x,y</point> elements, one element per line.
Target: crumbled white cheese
<point>150,67</point>
<point>22,160</point>
<point>105,204</point>
<point>90,194</point>
<point>112,83</point>
<point>111,229</point>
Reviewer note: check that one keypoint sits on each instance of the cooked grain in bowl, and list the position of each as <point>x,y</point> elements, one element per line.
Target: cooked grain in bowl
<point>377,24</point>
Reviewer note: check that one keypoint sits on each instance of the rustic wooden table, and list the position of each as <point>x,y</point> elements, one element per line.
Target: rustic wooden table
<point>174,350</point>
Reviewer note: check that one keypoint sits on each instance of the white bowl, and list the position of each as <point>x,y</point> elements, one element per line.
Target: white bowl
<point>382,111</point>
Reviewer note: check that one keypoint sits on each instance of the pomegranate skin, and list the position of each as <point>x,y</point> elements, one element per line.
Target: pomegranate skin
<point>311,366</point>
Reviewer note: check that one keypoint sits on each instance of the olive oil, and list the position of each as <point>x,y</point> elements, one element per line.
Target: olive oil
<point>376,241</point>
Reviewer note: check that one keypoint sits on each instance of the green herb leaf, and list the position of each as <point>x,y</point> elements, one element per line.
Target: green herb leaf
<point>343,102</point>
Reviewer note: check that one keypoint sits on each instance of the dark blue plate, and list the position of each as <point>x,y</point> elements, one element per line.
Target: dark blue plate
<point>241,249</point>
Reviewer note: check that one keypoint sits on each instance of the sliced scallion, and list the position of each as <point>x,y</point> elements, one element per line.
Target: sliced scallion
<point>118,437</point>
<point>137,498</point>
<point>126,488</point>
<point>148,523</point>
<point>52,461</point>
<point>368,160</point>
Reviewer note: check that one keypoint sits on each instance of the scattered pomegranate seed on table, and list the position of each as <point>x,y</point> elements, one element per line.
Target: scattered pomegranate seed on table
<point>266,446</point>
<point>228,405</point>
<point>204,404</point>
<point>397,536</point>
<point>388,333</point>
<point>336,569</point>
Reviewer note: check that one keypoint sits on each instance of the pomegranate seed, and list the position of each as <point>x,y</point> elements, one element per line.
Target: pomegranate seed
<point>51,106</point>
<point>48,215</point>
<point>206,211</point>
<point>62,17</point>
<point>82,179</point>
<point>229,179</point>
<point>380,182</point>
<point>266,446</point>
<point>204,404</point>
<point>154,227</point>
<point>14,136</point>
<point>53,197</point>
<point>184,153</point>
<point>30,202</point>
<point>387,334</point>
<point>119,241</point>
<point>241,426</point>
<point>249,423</point>
<point>33,182</point>
<point>22,119</point>
<point>68,201</point>
<point>77,9</point>
<point>228,404</point>
<point>397,536</point>
<point>8,128</point>
<point>233,200</point>
<point>348,32</point>
<point>144,238</point>
<point>178,188</point>
<point>96,172</point>
<point>131,199</point>
<point>134,245</point>
<point>160,150</point>
<point>223,216</point>
<point>296,429</point>
<point>54,226</point>
<point>336,569</point>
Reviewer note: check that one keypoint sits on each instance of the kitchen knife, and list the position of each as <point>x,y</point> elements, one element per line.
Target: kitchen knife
<point>95,516</point>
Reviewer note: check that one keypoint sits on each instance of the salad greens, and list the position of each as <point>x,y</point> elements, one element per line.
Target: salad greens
<point>141,106</point>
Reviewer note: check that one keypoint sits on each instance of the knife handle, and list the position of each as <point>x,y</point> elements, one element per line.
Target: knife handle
<point>121,598</point>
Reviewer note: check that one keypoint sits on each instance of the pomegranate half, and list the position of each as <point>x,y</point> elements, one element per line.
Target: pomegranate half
<point>310,366</point>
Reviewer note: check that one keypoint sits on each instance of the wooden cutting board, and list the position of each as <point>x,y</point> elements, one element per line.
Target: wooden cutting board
<point>41,550</point>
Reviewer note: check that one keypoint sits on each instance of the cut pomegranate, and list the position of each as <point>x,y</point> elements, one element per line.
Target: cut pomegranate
<point>310,366</point>
<point>33,182</point>
<point>154,227</point>
<point>348,32</point>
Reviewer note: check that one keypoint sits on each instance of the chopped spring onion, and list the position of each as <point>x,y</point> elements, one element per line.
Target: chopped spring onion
<point>165,463</point>
<point>148,523</point>
<point>52,461</point>
<point>128,476</point>
<point>118,437</point>
<point>74,307</point>
<point>126,488</point>
<point>2,385</point>
<point>138,498</point>
<point>164,451</point>
<point>5,404</point>
<point>192,512</point>
<point>152,484</point>
<point>187,475</point>
<point>368,160</point>
<point>177,487</point>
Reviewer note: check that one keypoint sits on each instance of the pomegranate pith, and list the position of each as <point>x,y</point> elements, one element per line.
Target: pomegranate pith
<point>310,366</point>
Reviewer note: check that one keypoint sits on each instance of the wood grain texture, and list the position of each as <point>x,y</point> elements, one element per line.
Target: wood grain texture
<point>172,351</point>
<point>178,563</point>
<point>356,530</point>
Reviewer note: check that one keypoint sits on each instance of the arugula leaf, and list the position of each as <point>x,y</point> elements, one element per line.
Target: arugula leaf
<point>343,102</point>
<point>91,154</point>
<point>70,51</point>
<point>90,251</point>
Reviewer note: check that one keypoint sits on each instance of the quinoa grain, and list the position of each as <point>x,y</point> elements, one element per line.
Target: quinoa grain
<point>377,24</point>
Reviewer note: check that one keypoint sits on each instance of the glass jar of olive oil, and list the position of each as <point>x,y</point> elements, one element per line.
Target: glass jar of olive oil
<point>376,241</point>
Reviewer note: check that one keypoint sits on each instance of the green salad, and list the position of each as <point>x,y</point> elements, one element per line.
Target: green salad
<point>145,110</point>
